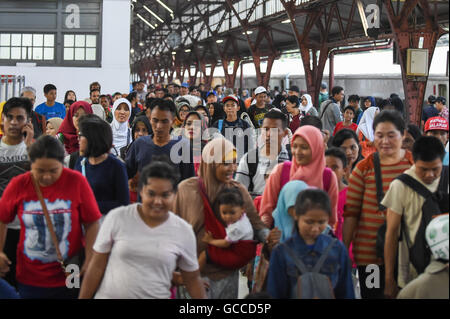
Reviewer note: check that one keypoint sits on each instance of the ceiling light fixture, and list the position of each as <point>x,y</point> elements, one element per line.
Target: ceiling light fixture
<point>166,7</point>
<point>154,14</point>
<point>219,41</point>
<point>146,22</point>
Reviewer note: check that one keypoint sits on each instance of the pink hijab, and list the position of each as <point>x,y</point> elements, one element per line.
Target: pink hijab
<point>311,174</point>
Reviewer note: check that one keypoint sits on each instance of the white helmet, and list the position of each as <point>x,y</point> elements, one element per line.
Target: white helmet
<point>436,235</point>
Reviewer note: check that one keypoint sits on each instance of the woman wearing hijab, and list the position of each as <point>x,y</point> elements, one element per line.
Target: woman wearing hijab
<point>308,165</point>
<point>216,111</point>
<point>183,108</point>
<point>216,173</point>
<point>365,131</point>
<point>121,132</point>
<point>306,106</point>
<point>53,125</point>
<point>284,213</point>
<point>68,131</point>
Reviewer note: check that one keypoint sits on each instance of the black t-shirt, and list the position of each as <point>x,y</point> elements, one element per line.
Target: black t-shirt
<point>257,115</point>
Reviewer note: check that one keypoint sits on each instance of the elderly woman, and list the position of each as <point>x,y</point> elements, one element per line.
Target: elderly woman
<point>216,173</point>
<point>139,246</point>
<point>363,215</point>
<point>72,210</point>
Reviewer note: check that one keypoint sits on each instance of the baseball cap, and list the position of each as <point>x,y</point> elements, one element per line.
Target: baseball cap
<point>211,92</point>
<point>184,85</point>
<point>230,97</point>
<point>323,85</point>
<point>260,89</point>
<point>436,123</point>
<point>294,88</point>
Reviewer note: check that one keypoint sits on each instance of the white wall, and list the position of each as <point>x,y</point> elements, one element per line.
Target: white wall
<point>114,72</point>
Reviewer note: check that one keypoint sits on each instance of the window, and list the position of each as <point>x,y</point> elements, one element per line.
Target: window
<point>80,47</point>
<point>27,46</point>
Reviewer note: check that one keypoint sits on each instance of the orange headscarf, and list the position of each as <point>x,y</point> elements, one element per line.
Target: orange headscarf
<point>311,174</point>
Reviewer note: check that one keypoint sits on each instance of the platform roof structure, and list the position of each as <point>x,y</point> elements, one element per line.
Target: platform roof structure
<point>171,37</point>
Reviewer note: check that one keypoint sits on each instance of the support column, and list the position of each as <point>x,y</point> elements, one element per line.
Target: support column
<point>331,73</point>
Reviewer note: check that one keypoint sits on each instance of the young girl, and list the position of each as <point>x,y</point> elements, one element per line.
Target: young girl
<point>231,207</point>
<point>349,114</point>
<point>312,212</point>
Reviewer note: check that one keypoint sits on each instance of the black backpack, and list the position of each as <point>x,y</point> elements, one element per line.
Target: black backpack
<point>435,204</point>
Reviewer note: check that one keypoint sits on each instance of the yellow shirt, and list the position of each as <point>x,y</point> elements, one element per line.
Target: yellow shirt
<point>403,200</point>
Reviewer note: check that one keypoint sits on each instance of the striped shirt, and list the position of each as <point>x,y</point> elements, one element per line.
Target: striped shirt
<point>362,203</point>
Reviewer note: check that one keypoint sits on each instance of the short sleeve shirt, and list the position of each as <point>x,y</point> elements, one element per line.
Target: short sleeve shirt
<point>240,230</point>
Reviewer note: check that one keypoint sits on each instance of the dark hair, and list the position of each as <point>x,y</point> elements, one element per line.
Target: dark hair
<point>205,109</point>
<point>354,98</point>
<point>48,88</point>
<point>117,93</point>
<point>414,130</point>
<point>428,149</point>
<point>431,99</point>
<point>385,102</point>
<point>96,84</point>
<point>69,101</point>
<point>230,196</point>
<point>190,113</point>
<point>18,102</point>
<point>393,117</point>
<point>312,199</point>
<point>293,99</point>
<point>159,169</point>
<point>338,153</point>
<point>349,107</point>
<point>141,119</point>
<point>164,105</point>
<point>131,96</point>
<point>341,136</point>
<point>398,104</point>
<point>277,115</point>
<point>98,133</point>
<point>46,146</point>
<point>336,90</point>
<point>311,120</point>
<point>67,93</point>
<point>192,88</point>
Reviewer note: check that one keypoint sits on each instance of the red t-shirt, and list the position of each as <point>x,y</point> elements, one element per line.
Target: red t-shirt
<point>341,126</point>
<point>70,202</point>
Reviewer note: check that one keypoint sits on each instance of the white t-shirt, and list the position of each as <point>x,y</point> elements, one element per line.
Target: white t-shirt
<point>11,154</point>
<point>142,259</point>
<point>240,230</point>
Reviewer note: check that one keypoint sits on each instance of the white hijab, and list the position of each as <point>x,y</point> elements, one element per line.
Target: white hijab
<point>120,130</point>
<point>308,106</point>
<point>366,124</point>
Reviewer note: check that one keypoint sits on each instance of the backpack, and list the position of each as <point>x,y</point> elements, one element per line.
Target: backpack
<point>311,284</point>
<point>434,204</point>
<point>252,167</point>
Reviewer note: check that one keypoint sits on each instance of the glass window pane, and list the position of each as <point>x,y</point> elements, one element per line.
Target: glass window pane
<point>68,40</point>
<point>90,54</point>
<point>79,40</point>
<point>15,53</point>
<point>48,53</point>
<point>49,40</point>
<point>37,53</point>
<point>68,53</point>
<point>30,53</point>
<point>79,53</point>
<point>5,39</point>
<point>4,52</point>
<point>26,40</point>
<point>24,53</point>
<point>16,40</point>
<point>38,40</point>
<point>91,41</point>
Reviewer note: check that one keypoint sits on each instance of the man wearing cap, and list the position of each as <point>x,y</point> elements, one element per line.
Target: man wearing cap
<point>294,90</point>
<point>184,90</point>
<point>404,210</point>
<point>438,127</point>
<point>211,97</point>
<point>233,128</point>
<point>440,106</point>
<point>323,94</point>
<point>257,111</point>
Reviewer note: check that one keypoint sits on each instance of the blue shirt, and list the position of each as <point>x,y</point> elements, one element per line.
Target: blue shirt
<point>109,181</point>
<point>142,151</point>
<point>283,274</point>
<point>57,110</point>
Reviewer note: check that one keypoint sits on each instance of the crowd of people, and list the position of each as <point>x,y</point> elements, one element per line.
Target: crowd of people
<point>170,191</point>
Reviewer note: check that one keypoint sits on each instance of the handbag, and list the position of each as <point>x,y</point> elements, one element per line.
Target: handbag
<point>76,259</point>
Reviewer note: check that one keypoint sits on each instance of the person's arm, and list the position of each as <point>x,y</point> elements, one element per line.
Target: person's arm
<point>270,195</point>
<point>130,160</point>
<point>344,288</point>
<point>242,173</point>
<point>393,221</point>
<point>210,240</point>
<point>337,115</point>
<point>119,191</point>
<point>4,260</point>
<point>194,284</point>
<point>94,275</point>
<point>91,231</point>
<point>277,277</point>
<point>333,193</point>
<point>348,230</point>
